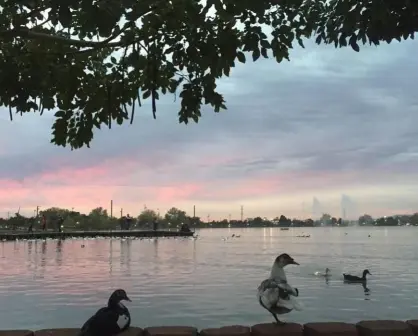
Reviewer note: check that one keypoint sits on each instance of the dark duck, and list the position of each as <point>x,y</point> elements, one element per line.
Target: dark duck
<point>275,294</point>
<point>354,278</point>
<point>110,320</point>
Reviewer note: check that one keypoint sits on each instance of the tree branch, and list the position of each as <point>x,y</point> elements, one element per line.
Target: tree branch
<point>28,34</point>
<point>32,35</point>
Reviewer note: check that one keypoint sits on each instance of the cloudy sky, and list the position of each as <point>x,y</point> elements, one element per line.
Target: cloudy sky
<point>331,129</point>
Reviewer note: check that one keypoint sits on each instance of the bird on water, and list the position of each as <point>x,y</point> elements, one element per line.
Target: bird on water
<point>354,278</point>
<point>275,294</point>
<point>110,320</point>
<point>326,274</point>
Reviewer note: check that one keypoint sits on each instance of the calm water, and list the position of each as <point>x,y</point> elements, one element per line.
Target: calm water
<point>209,281</point>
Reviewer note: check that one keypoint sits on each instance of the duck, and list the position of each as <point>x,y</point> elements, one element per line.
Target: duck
<point>326,274</point>
<point>110,320</point>
<point>354,278</point>
<point>275,294</point>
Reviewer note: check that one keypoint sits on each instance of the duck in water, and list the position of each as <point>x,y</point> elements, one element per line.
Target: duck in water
<point>326,274</point>
<point>354,278</point>
<point>275,294</point>
<point>110,320</point>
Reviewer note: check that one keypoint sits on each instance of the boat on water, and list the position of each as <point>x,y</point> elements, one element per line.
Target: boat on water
<point>284,228</point>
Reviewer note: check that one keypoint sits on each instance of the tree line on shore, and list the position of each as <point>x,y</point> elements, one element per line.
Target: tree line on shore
<point>99,218</point>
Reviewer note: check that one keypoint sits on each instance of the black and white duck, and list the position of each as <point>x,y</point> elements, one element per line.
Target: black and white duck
<point>354,278</point>
<point>275,294</point>
<point>110,320</point>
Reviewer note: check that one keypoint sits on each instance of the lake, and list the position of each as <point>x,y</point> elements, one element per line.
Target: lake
<point>210,281</point>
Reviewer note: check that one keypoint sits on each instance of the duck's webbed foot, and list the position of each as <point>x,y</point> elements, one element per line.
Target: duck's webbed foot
<point>279,323</point>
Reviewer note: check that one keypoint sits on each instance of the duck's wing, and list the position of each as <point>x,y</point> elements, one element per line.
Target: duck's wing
<point>289,290</point>
<point>86,328</point>
<point>277,296</point>
<point>350,277</point>
<point>103,323</point>
<point>268,293</point>
<point>267,284</point>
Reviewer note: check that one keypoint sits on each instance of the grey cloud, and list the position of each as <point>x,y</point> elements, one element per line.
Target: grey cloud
<point>287,117</point>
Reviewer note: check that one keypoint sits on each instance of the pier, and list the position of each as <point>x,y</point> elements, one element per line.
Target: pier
<point>11,235</point>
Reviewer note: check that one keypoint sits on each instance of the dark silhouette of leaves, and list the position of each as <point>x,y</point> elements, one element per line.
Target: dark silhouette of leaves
<point>93,62</point>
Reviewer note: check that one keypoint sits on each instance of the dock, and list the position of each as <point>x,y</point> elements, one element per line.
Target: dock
<point>8,236</point>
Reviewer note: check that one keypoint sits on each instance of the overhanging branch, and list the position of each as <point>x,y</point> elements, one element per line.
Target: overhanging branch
<point>28,34</point>
<point>32,35</point>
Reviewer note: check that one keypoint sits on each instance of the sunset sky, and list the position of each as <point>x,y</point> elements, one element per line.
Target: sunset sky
<point>332,124</point>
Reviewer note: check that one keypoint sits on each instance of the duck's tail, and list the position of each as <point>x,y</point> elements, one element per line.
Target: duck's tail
<point>298,306</point>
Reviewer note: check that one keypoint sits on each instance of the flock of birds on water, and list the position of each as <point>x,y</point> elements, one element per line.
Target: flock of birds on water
<point>274,294</point>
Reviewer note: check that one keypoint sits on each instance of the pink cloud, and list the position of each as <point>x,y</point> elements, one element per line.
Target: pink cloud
<point>133,182</point>
<point>174,193</point>
<point>68,176</point>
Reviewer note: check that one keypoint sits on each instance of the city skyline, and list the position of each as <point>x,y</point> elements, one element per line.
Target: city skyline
<point>329,122</point>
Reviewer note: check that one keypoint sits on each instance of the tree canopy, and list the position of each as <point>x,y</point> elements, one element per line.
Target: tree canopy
<point>94,61</point>
<point>98,219</point>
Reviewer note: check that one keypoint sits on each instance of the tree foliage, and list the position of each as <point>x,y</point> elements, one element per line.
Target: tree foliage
<point>98,213</point>
<point>148,216</point>
<point>365,220</point>
<point>94,61</point>
<point>98,219</point>
<point>176,217</point>
<point>326,218</point>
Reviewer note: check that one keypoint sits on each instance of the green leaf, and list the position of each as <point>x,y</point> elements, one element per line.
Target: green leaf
<point>48,103</point>
<point>65,16</point>
<point>241,56</point>
<point>353,43</point>
<point>88,61</point>
<point>256,54</point>
<point>59,114</point>
<point>146,94</point>
<point>265,44</point>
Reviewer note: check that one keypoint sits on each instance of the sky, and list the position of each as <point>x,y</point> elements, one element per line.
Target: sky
<point>330,131</point>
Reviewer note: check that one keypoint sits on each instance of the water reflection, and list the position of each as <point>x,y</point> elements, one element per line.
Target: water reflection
<point>194,251</point>
<point>366,291</point>
<point>58,254</point>
<point>30,247</point>
<point>110,256</point>
<point>125,255</point>
<point>155,242</point>
<point>59,246</point>
<point>43,247</point>
<point>181,280</point>
<point>43,259</point>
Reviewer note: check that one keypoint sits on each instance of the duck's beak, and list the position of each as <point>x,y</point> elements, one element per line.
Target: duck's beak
<point>293,262</point>
<point>128,299</point>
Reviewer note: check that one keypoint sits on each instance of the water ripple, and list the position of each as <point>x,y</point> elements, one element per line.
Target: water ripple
<point>174,281</point>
